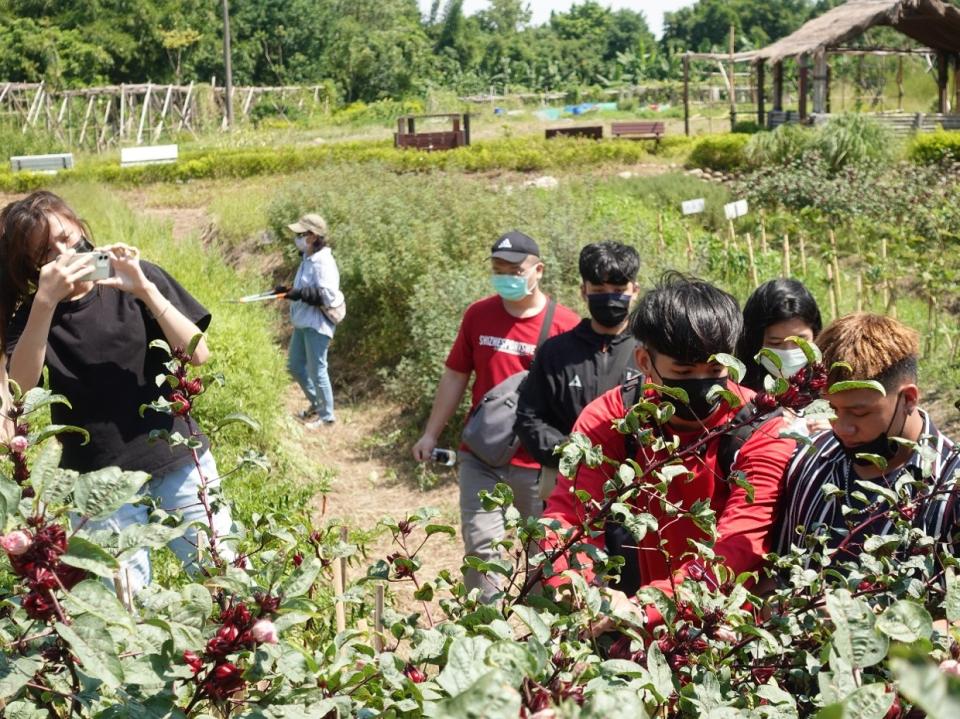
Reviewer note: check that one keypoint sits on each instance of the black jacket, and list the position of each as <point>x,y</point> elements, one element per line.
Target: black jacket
<point>569,371</point>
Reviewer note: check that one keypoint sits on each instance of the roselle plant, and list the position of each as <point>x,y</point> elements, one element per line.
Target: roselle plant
<point>867,636</point>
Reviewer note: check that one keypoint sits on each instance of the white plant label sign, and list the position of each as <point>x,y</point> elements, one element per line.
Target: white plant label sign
<point>693,207</point>
<point>735,209</point>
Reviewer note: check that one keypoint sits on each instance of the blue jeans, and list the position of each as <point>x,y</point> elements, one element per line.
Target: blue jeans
<point>175,491</point>
<point>308,365</point>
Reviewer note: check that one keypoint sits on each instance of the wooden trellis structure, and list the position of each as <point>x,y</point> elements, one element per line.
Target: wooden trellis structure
<point>103,117</point>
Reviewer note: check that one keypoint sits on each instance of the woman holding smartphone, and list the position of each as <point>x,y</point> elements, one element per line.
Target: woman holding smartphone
<point>94,337</point>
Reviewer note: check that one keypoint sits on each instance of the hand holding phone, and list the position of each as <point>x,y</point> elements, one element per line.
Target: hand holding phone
<point>99,263</point>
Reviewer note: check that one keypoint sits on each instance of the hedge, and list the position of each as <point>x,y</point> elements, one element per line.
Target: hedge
<point>940,146</point>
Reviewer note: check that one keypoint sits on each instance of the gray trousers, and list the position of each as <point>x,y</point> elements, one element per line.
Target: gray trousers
<point>481,528</point>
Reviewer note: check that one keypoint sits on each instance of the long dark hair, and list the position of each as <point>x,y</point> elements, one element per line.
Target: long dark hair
<point>24,231</point>
<point>773,301</point>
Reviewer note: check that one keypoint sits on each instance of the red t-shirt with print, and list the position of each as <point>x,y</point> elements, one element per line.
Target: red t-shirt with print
<point>494,345</point>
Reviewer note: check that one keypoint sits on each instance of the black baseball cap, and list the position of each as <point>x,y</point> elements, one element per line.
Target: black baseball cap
<point>514,247</point>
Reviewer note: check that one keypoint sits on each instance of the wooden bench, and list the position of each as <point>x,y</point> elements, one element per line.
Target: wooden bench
<point>47,164</point>
<point>148,155</point>
<point>592,132</point>
<point>638,130</point>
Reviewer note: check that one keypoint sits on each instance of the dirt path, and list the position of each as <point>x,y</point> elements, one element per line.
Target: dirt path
<point>370,483</point>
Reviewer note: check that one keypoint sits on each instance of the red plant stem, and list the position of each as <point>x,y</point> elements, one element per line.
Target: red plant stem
<point>204,500</point>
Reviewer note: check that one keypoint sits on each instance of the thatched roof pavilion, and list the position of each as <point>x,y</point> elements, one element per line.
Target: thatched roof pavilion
<point>932,23</point>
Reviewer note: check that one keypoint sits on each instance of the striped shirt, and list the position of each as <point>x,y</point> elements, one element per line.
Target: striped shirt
<point>807,510</point>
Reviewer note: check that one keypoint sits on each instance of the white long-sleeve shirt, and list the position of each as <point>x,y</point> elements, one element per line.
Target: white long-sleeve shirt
<point>317,270</point>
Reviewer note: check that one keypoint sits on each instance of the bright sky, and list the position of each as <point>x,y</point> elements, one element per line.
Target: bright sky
<point>652,9</point>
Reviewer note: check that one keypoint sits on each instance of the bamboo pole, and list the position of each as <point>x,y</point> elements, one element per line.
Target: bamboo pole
<point>123,111</point>
<point>803,254</point>
<point>883,269</point>
<point>754,277</point>
<point>163,113</point>
<point>378,619</point>
<point>836,265</point>
<point>86,119</point>
<point>660,240</point>
<point>831,292</point>
<point>763,232</point>
<point>786,255</point>
<point>689,245</point>
<point>731,240</point>
<point>143,114</point>
<point>340,586</point>
<point>859,291</point>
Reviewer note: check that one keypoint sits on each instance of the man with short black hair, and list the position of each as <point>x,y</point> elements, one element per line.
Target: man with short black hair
<point>865,436</point>
<point>574,368</point>
<point>680,326</point>
<point>498,337</point>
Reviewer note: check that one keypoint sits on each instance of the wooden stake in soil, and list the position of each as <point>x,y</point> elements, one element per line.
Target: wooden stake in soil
<point>836,266</point>
<point>753,261</point>
<point>660,240</point>
<point>763,233</point>
<point>883,272</point>
<point>892,304</point>
<point>803,255</point>
<point>731,236</point>
<point>340,586</point>
<point>859,292</point>
<point>786,255</point>
<point>689,246</point>
<point>831,293</point>
<point>378,619</point>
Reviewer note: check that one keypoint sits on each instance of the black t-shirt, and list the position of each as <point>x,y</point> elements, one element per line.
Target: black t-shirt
<point>99,358</point>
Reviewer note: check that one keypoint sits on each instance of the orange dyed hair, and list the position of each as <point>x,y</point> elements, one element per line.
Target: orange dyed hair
<point>875,346</point>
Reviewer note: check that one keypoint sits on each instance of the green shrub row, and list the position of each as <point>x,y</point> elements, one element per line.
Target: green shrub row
<point>522,154</point>
<point>941,146</point>
<point>720,152</point>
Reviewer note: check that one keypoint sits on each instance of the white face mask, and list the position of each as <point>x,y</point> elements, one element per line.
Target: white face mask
<point>301,242</point>
<point>792,361</point>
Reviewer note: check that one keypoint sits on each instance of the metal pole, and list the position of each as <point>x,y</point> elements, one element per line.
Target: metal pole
<point>227,64</point>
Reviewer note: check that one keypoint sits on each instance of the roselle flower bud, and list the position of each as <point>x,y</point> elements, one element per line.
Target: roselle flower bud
<point>193,661</point>
<point>316,536</point>
<point>895,709</point>
<point>405,527</point>
<point>297,559</point>
<point>228,633</point>
<point>225,679</point>
<point>268,604</point>
<point>761,675</point>
<point>181,399</point>
<point>951,667</point>
<point>38,606</point>
<point>414,674</point>
<point>19,444</point>
<point>16,543</point>
<point>765,402</point>
<point>264,632</point>
<point>192,387</point>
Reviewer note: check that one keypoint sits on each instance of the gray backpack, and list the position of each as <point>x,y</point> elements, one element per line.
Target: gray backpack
<point>488,433</point>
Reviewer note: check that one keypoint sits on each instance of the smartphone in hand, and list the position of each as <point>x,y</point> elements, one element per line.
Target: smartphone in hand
<point>99,263</point>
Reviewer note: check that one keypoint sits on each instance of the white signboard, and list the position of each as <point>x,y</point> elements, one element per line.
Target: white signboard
<point>735,209</point>
<point>693,207</point>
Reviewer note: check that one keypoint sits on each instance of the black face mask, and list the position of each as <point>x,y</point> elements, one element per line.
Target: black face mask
<point>609,309</point>
<point>697,390</point>
<point>881,445</point>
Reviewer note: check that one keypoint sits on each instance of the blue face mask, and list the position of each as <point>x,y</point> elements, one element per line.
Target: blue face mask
<point>510,287</point>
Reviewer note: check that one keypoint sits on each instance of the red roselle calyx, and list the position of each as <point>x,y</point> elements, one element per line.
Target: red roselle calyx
<point>183,401</point>
<point>414,674</point>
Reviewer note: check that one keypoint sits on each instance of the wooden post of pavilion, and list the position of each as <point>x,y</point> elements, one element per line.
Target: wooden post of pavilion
<point>686,95</point>
<point>804,86</point>
<point>778,86</point>
<point>942,79</point>
<point>761,109</point>
<point>733,89</point>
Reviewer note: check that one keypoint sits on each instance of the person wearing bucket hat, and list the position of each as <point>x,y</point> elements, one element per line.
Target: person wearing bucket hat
<point>497,339</point>
<point>316,289</point>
